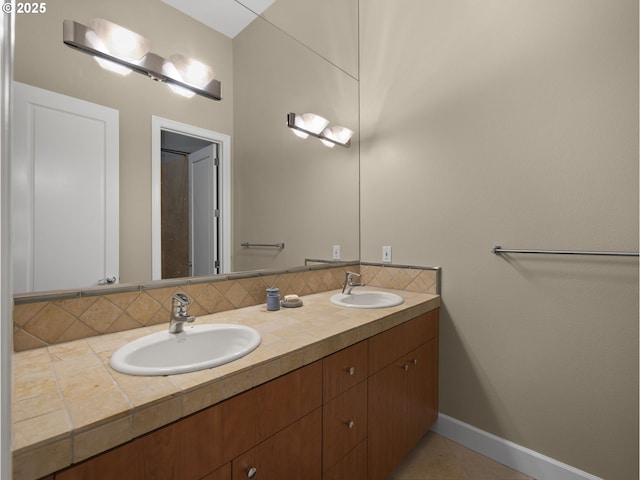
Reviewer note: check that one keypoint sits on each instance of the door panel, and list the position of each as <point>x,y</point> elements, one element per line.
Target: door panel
<point>204,195</point>
<point>65,202</point>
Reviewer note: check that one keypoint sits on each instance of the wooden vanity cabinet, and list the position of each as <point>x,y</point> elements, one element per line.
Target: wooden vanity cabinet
<point>353,415</point>
<point>402,393</point>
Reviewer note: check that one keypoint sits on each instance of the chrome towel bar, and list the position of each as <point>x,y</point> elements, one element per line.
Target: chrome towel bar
<point>276,245</point>
<point>497,250</point>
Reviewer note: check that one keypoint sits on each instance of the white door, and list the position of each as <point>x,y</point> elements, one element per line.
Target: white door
<point>203,207</point>
<point>65,200</point>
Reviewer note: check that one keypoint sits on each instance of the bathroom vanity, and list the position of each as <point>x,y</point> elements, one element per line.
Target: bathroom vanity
<point>332,393</point>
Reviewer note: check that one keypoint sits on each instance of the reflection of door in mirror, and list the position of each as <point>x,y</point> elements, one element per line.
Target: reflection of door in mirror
<point>65,206</point>
<point>189,206</point>
<point>191,189</point>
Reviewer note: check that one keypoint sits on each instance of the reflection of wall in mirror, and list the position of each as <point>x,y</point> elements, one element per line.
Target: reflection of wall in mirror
<point>287,186</point>
<point>308,21</point>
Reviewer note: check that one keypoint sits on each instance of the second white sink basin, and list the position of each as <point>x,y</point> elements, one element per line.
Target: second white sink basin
<point>197,348</point>
<point>367,299</point>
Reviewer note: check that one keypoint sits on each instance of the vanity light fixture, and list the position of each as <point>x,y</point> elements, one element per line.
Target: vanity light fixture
<point>307,124</point>
<point>122,50</point>
<point>336,136</point>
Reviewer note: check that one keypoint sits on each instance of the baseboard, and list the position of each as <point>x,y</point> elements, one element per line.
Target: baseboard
<point>508,453</point>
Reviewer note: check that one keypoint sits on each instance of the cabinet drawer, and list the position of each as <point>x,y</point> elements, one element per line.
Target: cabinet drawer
<point>422,329</point>
<point>344,424</point>
<point>223,473</point>
<point>394,343</point>
<point>351,466</point>
<point>344,369</point>
<point>387,346</point>
<point>292,454</point>
<point>255,415</point>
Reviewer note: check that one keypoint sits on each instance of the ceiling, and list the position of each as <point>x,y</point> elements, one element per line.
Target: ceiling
<point>225,16</point>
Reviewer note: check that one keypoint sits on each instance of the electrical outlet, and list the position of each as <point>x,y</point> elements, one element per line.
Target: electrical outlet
<point>386,254</point>
<point>336,252</point>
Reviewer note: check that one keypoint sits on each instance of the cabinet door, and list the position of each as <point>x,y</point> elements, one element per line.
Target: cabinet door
<point>123,463</point>
<point>422,391</point>
<point>387,419</point>
<point>185,450</point>
<point>295,453</point>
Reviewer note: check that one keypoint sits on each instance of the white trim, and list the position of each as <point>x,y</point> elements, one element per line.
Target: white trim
<point>157,125</point>
<point>6,302</point>
<point>527,461</point>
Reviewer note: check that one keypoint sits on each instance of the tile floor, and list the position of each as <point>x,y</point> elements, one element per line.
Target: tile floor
<point>438,458</point>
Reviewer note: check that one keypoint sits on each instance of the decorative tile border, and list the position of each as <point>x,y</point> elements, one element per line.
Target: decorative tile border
<point>402,277</point>
<point>58,317</point>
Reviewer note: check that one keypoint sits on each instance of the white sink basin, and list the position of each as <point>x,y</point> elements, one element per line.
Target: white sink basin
<point>367,299</point>
<point>197,348</point>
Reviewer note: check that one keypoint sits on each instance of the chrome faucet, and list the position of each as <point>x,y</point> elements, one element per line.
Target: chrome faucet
<point>179,313</point>
<point>349,283</point>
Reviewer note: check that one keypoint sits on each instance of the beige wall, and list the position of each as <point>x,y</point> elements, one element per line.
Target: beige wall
<point>515,123</point>
<point>41,59</point>
<point>329,27</point>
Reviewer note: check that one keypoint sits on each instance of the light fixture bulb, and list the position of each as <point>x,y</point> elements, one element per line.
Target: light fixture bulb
<point>192,71</point>
<point>338,134</point>
<point>185,92</point>
<point>113,66</point>
<point>327,143</point>
<point>300,134</point>
<point>118,41</point>
<point>313,123</point>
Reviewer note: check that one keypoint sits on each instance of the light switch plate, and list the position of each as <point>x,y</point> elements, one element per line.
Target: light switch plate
<point>386,254</point>
<point>336,252</point>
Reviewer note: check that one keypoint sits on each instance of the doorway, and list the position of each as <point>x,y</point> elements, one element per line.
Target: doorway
<point>190,201</point>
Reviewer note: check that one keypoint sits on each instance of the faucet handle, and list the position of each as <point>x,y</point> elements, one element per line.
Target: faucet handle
<point>182,299</point>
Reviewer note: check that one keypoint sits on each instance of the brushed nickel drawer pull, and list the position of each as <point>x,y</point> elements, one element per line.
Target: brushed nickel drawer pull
<point>351,370</point>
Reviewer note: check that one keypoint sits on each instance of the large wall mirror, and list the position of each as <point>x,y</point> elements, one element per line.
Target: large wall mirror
<point>287,58</point>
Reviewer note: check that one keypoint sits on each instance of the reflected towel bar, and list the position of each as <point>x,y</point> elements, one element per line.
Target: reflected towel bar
<point>497,250</point>
<point>276,245</point>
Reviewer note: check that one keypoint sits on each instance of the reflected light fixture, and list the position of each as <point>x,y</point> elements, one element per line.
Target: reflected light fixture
<point>336,136</point>
<point>307,124</point>
<point>119,49</point>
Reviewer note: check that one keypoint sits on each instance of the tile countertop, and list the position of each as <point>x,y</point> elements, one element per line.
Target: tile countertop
<point>68,404</point>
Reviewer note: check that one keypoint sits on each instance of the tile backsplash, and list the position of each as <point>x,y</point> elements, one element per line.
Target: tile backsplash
<point>60,317</point>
